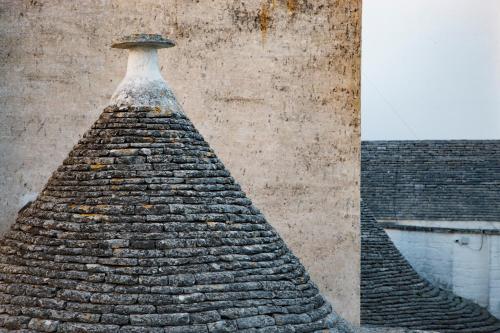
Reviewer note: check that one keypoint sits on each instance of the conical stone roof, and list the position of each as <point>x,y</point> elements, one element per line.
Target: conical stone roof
<point>142,229</point>
<point>393,294</point>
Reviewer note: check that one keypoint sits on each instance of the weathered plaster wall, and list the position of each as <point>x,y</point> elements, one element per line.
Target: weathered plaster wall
<point>273,85</point>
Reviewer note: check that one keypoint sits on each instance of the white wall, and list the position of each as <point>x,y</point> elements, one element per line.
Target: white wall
<point>471,271</point>
<point>431,69</point>
<point>495,276</point>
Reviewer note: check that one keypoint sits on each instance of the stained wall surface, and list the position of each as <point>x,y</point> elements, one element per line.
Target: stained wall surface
<point>273,85</point>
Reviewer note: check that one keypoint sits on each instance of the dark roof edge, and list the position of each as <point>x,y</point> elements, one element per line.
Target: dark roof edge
<point>432,141</point>
<point>391,225</point>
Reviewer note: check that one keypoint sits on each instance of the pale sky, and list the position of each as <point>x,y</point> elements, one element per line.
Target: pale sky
<point>430,69</point>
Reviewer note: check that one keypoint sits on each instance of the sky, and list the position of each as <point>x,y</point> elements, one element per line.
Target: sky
<point>430,69</point>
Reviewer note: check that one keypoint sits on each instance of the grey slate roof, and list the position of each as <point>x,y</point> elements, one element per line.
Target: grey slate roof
<point>433,180</point>
<point>394,295</point>
<point>142,229</point>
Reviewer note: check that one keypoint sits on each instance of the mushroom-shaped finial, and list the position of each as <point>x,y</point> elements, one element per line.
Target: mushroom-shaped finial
<point>143,84</point>
<point>143,40</point>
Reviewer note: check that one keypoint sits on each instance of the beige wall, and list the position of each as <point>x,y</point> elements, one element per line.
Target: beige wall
<point>273,85</point>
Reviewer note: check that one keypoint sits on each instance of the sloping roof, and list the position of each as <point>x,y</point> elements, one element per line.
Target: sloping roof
<point>142,229</point>
<point>394,295</point>
<point>432,180</point>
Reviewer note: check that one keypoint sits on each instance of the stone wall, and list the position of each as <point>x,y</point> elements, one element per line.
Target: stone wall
<point>273,85</point>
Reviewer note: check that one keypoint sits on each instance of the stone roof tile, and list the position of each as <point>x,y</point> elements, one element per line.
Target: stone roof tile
<point>456,180</point>
<point>394,295</point>
<point>142,229</point>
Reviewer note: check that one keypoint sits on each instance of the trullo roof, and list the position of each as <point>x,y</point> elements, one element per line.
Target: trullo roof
<point>142,229</point>
<point>393,294</point>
